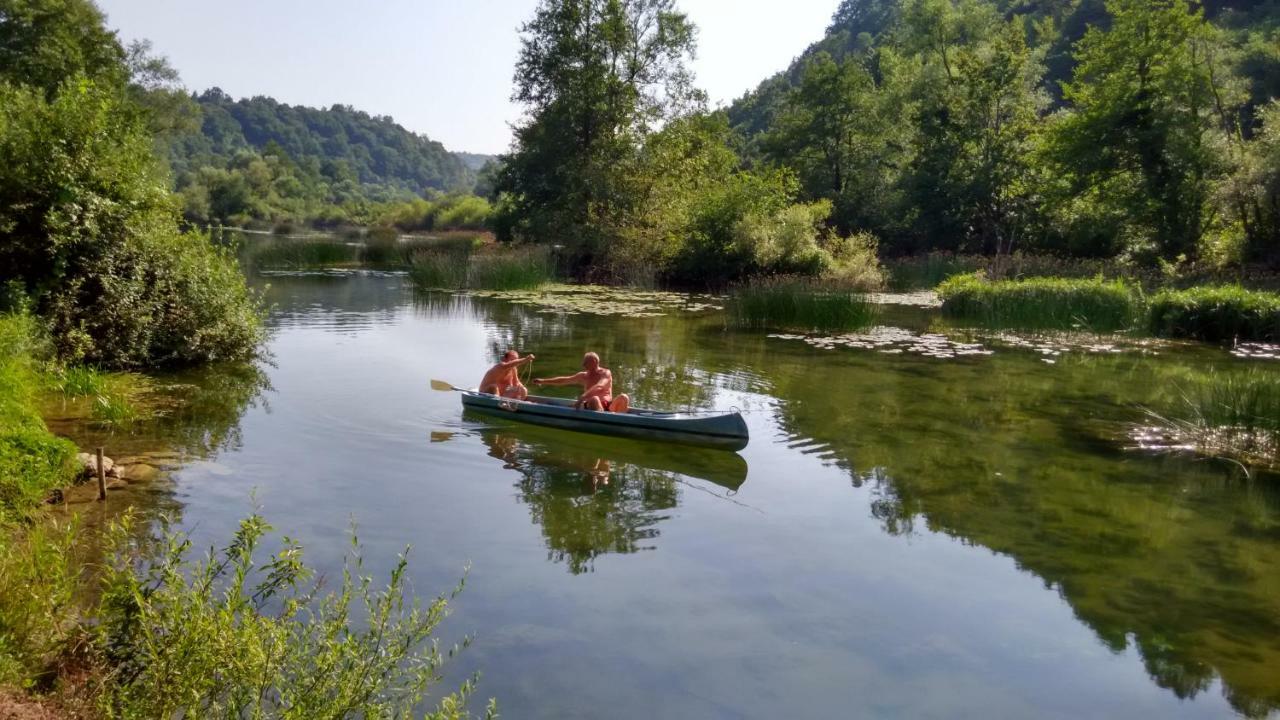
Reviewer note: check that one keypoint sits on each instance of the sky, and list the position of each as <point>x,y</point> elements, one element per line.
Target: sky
<point>439,67</point>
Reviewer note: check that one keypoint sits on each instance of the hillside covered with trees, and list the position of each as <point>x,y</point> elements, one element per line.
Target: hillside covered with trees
<point>1144,131</point>
<point>260,160</point>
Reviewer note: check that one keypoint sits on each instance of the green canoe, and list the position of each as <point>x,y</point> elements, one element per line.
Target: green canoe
<point>722,430</point>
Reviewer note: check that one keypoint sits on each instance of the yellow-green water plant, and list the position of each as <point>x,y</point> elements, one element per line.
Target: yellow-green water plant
<point>38,581</point>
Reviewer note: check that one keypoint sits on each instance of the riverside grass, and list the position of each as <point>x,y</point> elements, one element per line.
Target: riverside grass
<point>1221,313</point>
<point>798,303</point>
<point>33,461</point>
<point>1042,303</point>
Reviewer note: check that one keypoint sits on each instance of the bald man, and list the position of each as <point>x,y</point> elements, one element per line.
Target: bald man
<point>597,386</point>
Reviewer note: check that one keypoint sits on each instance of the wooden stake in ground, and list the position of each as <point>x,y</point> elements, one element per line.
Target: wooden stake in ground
<point>102,477</point>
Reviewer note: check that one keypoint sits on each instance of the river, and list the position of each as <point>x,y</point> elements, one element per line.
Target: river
<point>926,523</point>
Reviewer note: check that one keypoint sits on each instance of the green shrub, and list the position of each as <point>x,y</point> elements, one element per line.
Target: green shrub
<point>91,233</point>
<point>32,460</point>
<point>1216,314</point>
<point>233,635</point>
<point>793,303</point>
<point>1048,303</point>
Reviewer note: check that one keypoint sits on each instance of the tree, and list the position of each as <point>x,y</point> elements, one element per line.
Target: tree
<point>44,42</point>
<point>596,77</point>
<point>1140,132</point>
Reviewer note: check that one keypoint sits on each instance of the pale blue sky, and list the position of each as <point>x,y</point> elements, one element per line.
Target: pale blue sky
<point>438,67</point>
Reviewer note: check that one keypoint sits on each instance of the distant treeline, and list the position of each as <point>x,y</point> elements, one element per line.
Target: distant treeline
<point>1144,131</point>
<point>259,161</point>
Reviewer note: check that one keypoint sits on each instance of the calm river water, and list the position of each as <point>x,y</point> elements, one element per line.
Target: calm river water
<point>918,528</point>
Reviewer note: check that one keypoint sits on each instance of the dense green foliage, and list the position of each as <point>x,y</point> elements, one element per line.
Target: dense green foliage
<point>1093,304</point>
<point>32,460</point>
<point>1126,128</point>
<point>257,160</point>
<point>88,229</point>
<point>1216,314</point>
<point>230,635</point>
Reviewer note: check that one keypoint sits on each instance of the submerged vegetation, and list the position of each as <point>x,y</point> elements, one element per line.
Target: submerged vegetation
<point>1058,303</point>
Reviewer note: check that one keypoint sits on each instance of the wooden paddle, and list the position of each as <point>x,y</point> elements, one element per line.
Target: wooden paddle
<point>443,386</point>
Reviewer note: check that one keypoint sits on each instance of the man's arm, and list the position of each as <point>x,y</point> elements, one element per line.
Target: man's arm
<point>508,364</point>
<point>575,379</point>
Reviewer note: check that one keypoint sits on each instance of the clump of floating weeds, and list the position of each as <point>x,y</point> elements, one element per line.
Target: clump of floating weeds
<point>599,300</point>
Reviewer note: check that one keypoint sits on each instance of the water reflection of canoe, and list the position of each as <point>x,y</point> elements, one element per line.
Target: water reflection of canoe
<point>724,431</point>
<point>519,444</point>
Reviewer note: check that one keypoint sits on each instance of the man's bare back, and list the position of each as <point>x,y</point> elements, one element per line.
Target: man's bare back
<point>597,384</point>
<point>504,378</point>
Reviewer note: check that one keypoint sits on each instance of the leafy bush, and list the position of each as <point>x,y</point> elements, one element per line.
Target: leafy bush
<point>32,460</point>
<point>1216,314</point>
<point>1059,303</point>
<point>795,303</point>
<point>233,635</point>
<point>90,231</point>
<point>855,263</point>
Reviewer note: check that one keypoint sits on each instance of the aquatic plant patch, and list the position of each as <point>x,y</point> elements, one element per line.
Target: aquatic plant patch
<point>1257,351</point>
<point>600,300</point>
<point>1036,303</point>
<point>892,341</point>
<point>1232,414</point>
<point>793,303</point>
<point>1216,314</point>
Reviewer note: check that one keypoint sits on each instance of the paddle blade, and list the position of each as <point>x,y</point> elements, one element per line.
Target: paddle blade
<point>443,386</point>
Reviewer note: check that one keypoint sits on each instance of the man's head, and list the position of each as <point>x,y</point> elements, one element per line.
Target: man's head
<point>511,355</point>
<point>590,361</point>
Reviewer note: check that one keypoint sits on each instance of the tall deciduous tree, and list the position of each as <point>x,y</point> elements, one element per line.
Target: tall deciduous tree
<point>596,77</point>
<point>1140,132</point>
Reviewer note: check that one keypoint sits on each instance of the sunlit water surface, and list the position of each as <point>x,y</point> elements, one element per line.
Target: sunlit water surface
<point>926,523</point>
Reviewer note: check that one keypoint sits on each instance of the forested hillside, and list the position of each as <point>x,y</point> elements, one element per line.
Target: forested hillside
<point>859,26</point>
<point>257,159</point>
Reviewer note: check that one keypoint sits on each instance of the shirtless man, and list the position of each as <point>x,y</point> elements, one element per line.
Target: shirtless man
<point>597,384</point>
<point>504,378</point>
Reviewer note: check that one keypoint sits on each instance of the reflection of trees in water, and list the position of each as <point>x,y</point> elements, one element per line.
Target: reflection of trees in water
<point>339,301</point>
<point>587,506</point>
<point>1176,557</point>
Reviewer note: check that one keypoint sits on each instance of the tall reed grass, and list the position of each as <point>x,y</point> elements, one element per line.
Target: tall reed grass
<point>798,303</point>
<point>1216,314</point>
<point>1229,414</point>
<point>1042,303</point>
<point>500,269</point>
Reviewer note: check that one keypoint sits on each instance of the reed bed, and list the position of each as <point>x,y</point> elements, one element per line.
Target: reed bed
<point>281,254</point>
<point>1216,314</point>
<point>503,269</point>
<point>1229,414</point>
<point>796,303</point>
<point>917,272</point>
<point>1042,303</point>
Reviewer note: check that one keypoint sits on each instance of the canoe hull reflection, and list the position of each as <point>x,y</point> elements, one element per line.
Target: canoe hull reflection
<point>723,431</point>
